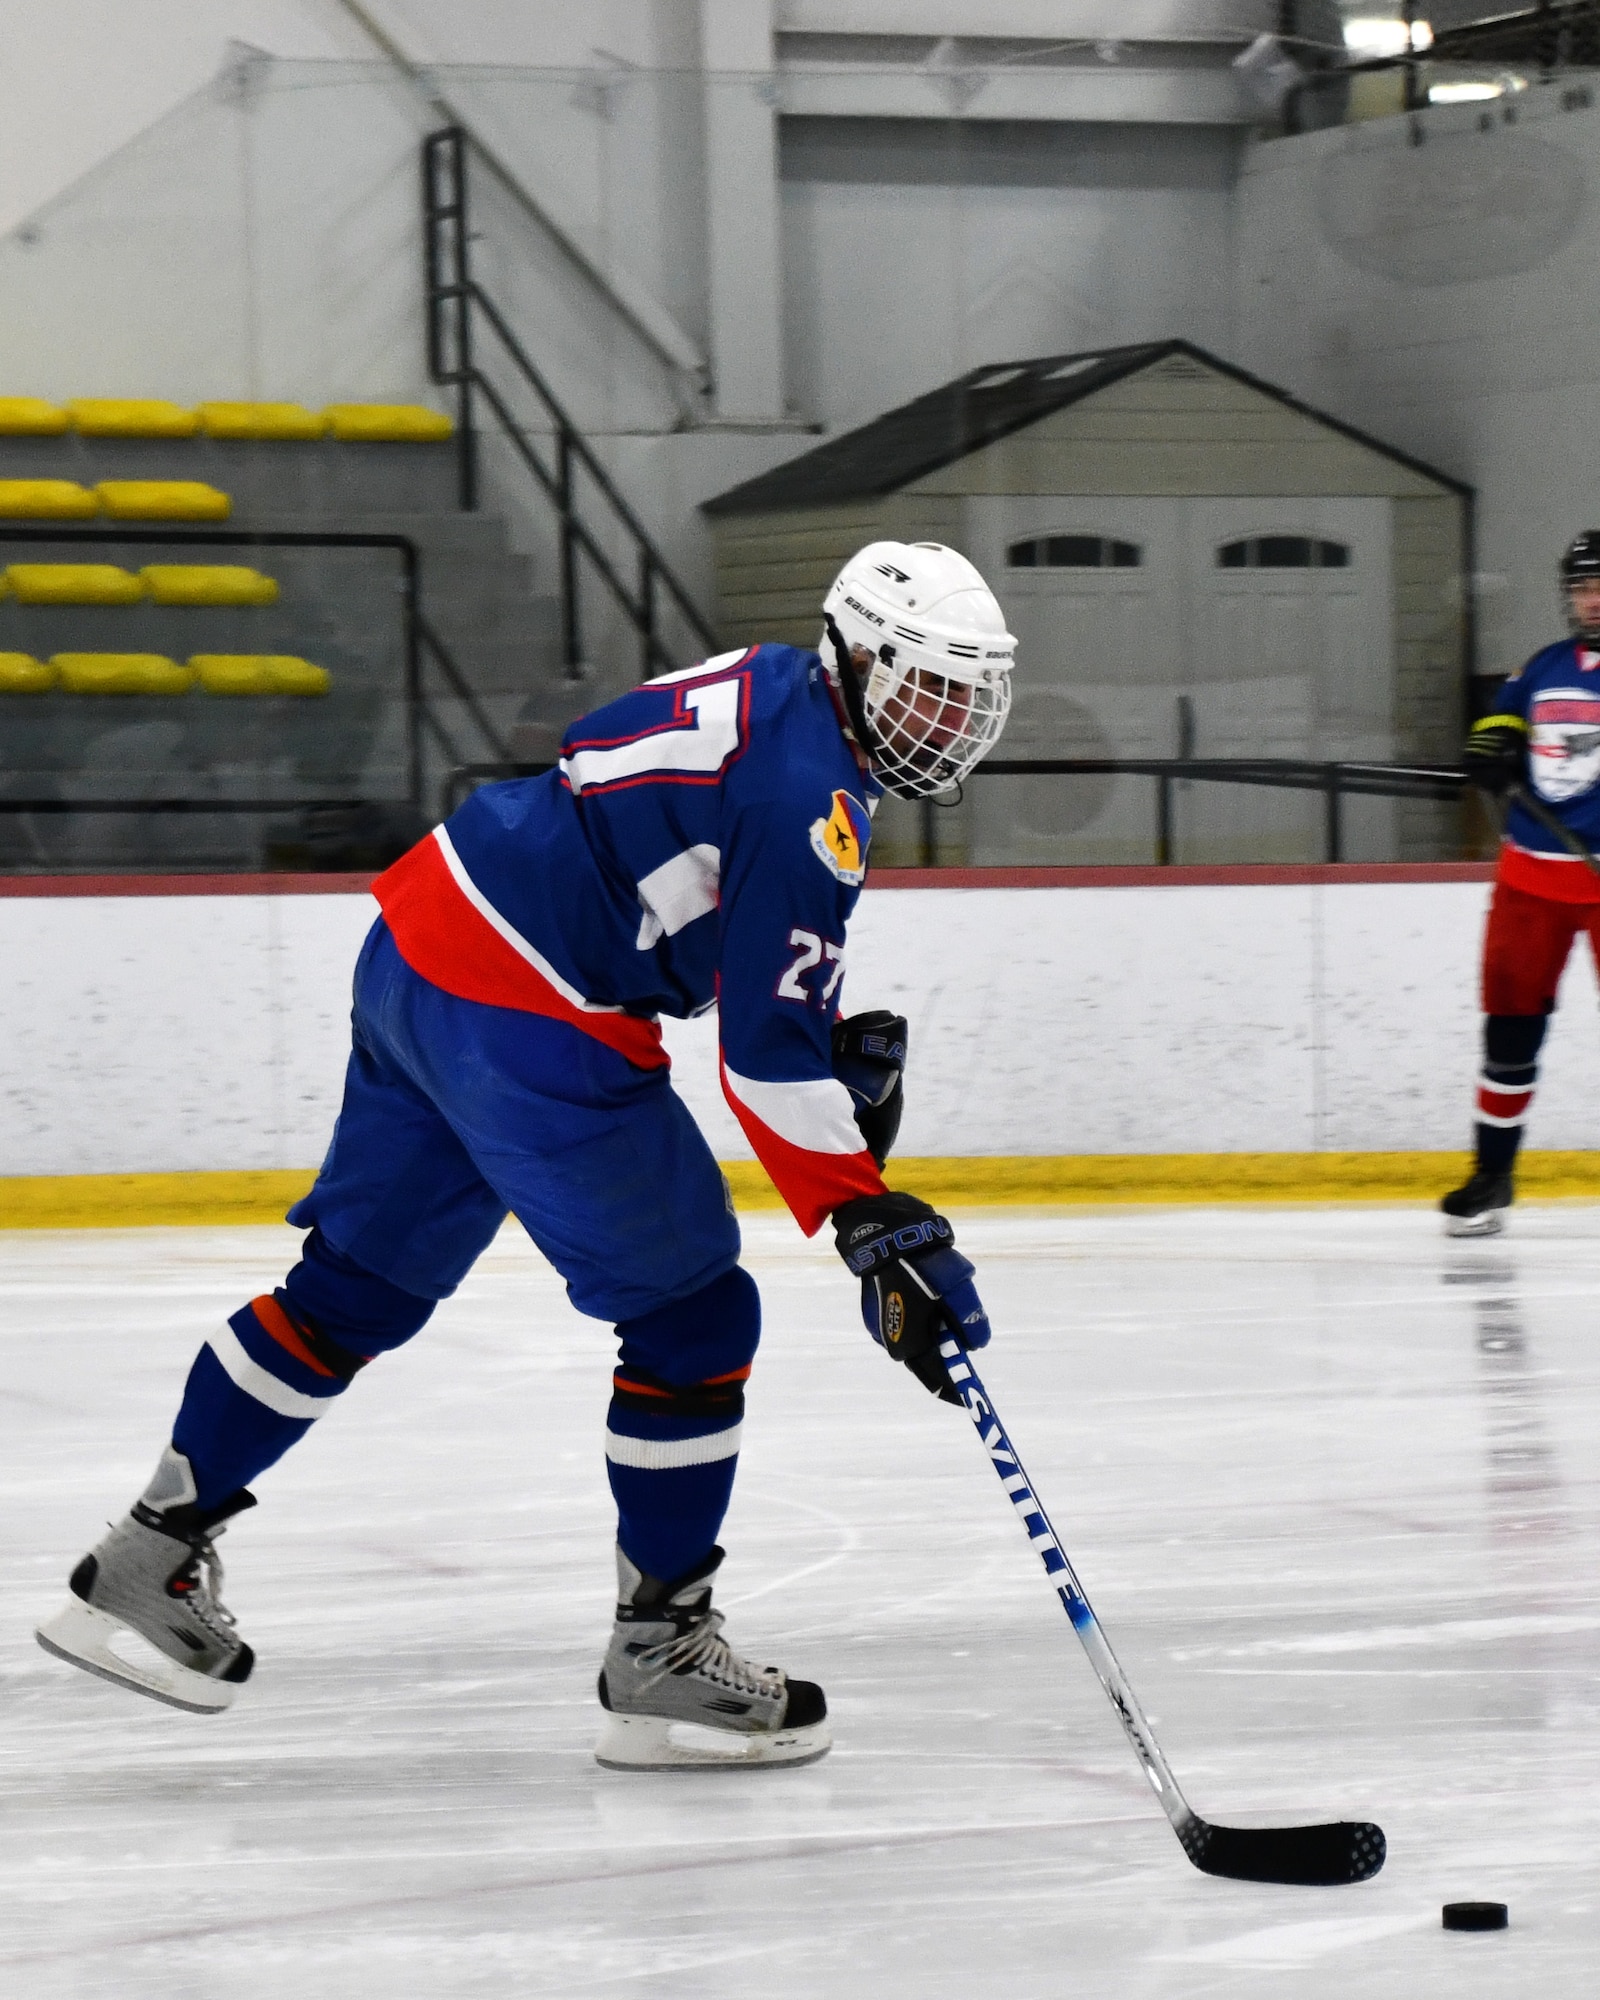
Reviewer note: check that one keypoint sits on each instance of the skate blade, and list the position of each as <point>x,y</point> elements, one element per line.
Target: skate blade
<point>87,1638</point>
<point>1490,1223</point>
<point>653,1743</point>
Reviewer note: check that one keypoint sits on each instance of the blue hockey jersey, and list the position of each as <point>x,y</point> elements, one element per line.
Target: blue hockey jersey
<point>1556,697</point>
<point>702,843</point>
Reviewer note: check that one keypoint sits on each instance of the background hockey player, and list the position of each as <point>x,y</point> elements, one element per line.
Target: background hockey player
<point>1544,733</point>
<point>703,842</point>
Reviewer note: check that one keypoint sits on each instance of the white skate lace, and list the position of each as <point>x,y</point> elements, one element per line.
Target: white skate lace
<point>703,1650</point>
<point>206,1603</point>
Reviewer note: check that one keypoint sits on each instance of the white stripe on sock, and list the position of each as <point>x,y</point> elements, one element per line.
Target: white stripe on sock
<point>666,1454</point>
<point>254,1380</point>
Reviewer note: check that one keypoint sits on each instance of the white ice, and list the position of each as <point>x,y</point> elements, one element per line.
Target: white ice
<point>1329,1480</point>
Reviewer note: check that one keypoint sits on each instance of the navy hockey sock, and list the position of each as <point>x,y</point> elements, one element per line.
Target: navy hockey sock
<point>1511,1044</point>
<point>677,1410</point>
<point>268,1373</point>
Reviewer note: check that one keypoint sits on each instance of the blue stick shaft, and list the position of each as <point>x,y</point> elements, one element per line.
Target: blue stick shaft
<point>1011,1473</point>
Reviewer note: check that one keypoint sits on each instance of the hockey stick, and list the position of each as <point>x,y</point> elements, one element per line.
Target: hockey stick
<point>1536,808</point>
<point>1314,1856</point>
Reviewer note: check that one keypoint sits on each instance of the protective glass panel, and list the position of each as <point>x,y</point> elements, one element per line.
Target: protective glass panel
<point>654,326</point>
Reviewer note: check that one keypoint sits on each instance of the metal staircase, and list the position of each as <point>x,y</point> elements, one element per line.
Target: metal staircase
<point>602,543</point>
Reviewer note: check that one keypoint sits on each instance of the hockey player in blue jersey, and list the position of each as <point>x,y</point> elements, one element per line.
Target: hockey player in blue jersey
<point>1544,733</point>
<point>702,844</point>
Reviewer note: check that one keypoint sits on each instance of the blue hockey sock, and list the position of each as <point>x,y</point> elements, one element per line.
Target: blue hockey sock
<point>677,1410</point>
<point>267,1374</point>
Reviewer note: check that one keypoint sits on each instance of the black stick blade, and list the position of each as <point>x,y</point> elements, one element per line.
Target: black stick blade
<point>1315,1857</point>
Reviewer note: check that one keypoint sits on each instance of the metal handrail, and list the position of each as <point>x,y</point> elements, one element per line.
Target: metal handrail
<point>459,686</point>
<point>455,304</point>
<point>1335,781</point>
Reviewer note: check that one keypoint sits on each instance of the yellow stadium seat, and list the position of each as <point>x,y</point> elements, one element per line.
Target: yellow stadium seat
<point>121,673</point>
<point>31,416</point>
<point>261,420</point>
<point>54,499</point>
<point>131,417</point>
<point>21,673</point>
<point>162,500</point>
<point>207,583</point>
<point>259,673</point>
<point>387,423</point>
<point>71,583</point>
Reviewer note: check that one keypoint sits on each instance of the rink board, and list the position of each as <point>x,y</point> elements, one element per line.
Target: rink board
<point>1076,1035</point>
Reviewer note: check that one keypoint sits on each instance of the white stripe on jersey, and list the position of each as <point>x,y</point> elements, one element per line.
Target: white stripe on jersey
<point>677,892</point>
<point>815,1115</point>
<point>513,937</point>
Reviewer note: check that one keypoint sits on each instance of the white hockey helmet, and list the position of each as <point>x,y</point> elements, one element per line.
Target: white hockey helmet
<point>936,696</point>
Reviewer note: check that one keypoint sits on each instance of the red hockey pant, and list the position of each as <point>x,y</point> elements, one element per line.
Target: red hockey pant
<point>1525,948</point>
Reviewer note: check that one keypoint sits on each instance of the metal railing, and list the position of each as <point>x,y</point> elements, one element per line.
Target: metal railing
<point>458,308</point>
<point>1336,782</point>
<point>420,643</point>
<point>1554,41</point>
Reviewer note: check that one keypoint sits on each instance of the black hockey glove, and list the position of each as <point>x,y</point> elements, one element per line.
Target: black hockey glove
<point>916,1287</point>
<point>1495,755</point>
<point>869,1059</point>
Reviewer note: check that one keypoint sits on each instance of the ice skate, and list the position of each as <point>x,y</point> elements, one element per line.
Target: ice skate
<point>677,1697</point>
<point>145,1610</point>
<point>1476,1209</point>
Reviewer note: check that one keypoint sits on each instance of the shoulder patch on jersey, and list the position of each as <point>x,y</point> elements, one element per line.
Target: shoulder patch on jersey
<point>839,839</point>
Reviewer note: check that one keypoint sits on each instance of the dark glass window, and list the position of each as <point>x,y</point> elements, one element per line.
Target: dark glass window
<point>1283,552</point>
<point>1074,552</point>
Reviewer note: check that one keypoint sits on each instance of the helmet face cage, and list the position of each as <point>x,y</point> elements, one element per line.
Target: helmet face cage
<point>930,726</point>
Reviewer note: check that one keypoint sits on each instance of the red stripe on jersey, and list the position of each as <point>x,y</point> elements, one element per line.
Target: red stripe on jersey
<point>812,1184</point>
<point>453,946</point>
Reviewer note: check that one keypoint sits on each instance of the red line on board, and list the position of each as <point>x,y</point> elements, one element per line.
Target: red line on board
<point>1242,875</point>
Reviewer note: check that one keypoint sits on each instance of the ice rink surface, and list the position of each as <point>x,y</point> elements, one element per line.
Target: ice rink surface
<point>1329,1480</point>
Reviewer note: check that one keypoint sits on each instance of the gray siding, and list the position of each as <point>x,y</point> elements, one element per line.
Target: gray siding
<point>1181,430</point>
<point>1430,659</point>
<point>773,570</point>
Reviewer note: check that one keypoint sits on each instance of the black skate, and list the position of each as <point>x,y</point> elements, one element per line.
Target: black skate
<point>1476,1209</point>
<point>676,1695</point>
<point>145,1609</point>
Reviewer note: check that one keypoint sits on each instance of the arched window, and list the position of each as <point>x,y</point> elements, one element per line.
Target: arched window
<point>1074,552</point>
<point>1283,552</point>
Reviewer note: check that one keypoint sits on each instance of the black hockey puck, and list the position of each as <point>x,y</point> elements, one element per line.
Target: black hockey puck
<point>1475,1916</point>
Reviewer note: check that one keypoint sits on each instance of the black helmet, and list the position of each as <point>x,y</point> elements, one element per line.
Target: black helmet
<point>1581,564</point>
<point>1582,557</point>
